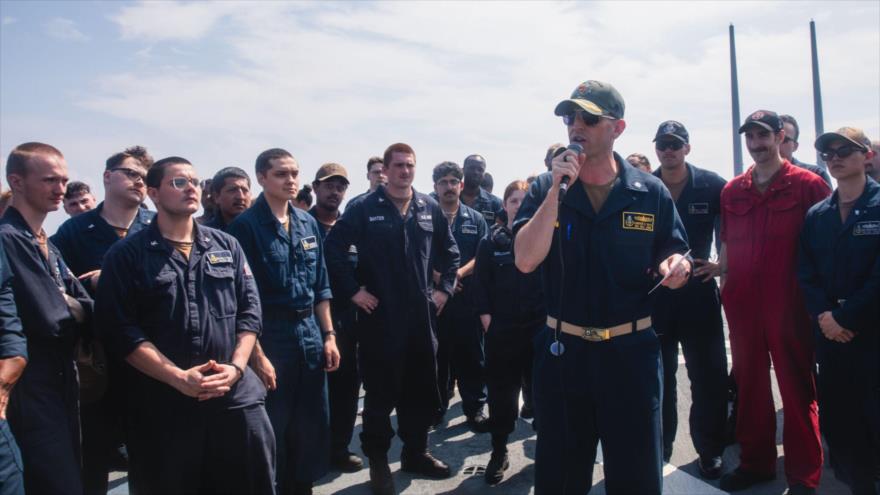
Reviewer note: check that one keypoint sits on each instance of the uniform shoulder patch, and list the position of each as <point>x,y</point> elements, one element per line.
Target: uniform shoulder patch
<point>633,220</point>
<point>309,243</point>
<point>218,257</point>
<point>871,227</point>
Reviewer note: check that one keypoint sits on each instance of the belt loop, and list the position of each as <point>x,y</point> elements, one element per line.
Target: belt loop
<point>633,327</point>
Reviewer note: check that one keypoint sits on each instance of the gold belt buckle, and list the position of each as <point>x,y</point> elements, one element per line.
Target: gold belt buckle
<point>594,334</point>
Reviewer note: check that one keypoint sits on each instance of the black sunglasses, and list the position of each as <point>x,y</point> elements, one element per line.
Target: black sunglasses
<point>843,152</point>
<point>589,119</point>
<point>669,145</point>
<point>132,175</point>
<point>180,183</point>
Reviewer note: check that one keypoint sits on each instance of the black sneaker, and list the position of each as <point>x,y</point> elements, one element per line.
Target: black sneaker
<point>740,480</point>
<point>478,423</point>
<point>424,464</point>
<point>381,482</point>
<point>346,462</point>
<point>800,490</point>
<point>710,467</point>
<point>496,467</point>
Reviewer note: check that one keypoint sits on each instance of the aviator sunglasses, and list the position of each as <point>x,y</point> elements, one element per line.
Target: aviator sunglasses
<point>669,145</point>
<point>842,152</point>
<point>589,119</point>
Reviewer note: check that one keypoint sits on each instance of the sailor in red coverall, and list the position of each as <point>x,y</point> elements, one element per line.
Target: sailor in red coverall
<point>762,212</point>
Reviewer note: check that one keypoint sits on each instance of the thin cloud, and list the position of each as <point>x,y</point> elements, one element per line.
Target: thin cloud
<point>64,29</point>
<point>7,20</point>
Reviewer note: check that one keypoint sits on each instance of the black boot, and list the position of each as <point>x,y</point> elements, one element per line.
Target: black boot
<point>498,463</point>
<point>381,481</point>
<point>425,464</point>
<point>346,462</point>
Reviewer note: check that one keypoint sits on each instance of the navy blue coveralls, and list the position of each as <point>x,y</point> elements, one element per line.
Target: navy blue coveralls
<point>610,390</point>
<point>12,344</point>
<point>344,384</point>
<point>398,344</point>
<point>460,355</point>
<point>83,241</point>
<point>216,222</point>
<point>43,410</point>
<point>516,304</point>
<point>839,271</point>
<point>488,205</point>
<point>292,278</point>
<point>192,310</point>
<point>692,316</point>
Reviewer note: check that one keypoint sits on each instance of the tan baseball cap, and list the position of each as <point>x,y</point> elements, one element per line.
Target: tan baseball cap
<point>330,170</point>
<point>849,134</point>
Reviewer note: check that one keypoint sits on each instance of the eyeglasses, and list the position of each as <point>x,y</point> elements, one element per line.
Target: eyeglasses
<point>180,183</point>
<point>449,183</point>
<point>669,145</point>
<point>842,152</point>
<point>589,119</point>
<point>131,174</point>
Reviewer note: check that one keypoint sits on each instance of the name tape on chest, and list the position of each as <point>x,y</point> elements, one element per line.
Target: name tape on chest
<point>219,257</point>
<point>378,218</point>
<point>469,229</point>
<point>638,221</point>
<point>698,209</point>
<point>310,242</point>
<point>488,215</point>
<point>867,228</point>
<point>425,217</point>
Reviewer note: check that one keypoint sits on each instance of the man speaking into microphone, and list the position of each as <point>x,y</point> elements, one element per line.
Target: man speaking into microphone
<point>603,247</point>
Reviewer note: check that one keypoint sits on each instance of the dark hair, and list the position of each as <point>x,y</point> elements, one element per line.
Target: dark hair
<point>220,177</point>
<point>373,160</point>
<point>447,168</point>
<point>488,182</point>
<point>139,153</point>
<point>157,171</point>
<point>789,119</point>
<point>396,148</point>
<point>21,155</point>
<point>76,188</point>
<point>305,195</point>
<point>517,185</point>
<point>263,163</point>
<point>548,158</point>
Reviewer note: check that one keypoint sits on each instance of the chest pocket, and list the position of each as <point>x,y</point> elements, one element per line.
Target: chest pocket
<point>278,269</point>
<point>785,216</point>
<point>308,250</point>
<point>219,290</point>
<point>738,225</point>
<point>158,294</point>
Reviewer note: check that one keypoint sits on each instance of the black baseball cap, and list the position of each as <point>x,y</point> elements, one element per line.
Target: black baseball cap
<point>674,129</point>
<point>764,119</point>
<point>595,97</point>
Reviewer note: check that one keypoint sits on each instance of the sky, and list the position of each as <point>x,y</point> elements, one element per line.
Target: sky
<point>219,82</point>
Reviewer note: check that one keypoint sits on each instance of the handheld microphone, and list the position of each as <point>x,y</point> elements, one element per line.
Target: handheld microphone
<point>563,184</point>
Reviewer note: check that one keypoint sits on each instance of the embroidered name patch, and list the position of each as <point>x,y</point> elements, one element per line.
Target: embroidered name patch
<point>698,208</point>
<point>488,215</point>
<point>310,242</point>
<point>867,228</point>
<point>216,257</point>
<point>469,229</point>
<point>425,217</point>
<point>377,218</point>
<point>638,221</point>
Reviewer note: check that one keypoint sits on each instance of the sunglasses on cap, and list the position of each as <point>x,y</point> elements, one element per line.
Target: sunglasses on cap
<point>673,145</point>
<point>589,119</point>
<point>180,183</point>
<point>842,152</point>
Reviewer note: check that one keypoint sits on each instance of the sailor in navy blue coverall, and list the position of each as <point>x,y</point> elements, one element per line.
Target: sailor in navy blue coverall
<point>13,359</point>
<point>616,227</point>
<point>401,236</point>
<point>839,272</point>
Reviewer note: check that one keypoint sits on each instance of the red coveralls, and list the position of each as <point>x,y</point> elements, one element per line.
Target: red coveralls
<point>767,319</point>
